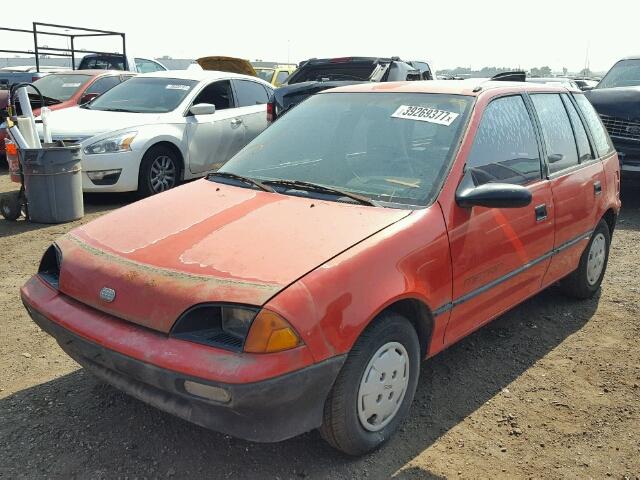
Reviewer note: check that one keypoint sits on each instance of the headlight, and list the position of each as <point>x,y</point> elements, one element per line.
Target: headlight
<point>117,143</point>
<point>49,269</point>
<point>237,328</point>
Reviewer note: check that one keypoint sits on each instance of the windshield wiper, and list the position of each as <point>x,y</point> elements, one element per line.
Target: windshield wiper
<point>315,187</point>
<point>240,178</point>
<point>124,110</point>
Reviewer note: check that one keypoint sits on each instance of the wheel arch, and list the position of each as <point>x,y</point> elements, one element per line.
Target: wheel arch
<point>419,315</point>
<point>610,217</point>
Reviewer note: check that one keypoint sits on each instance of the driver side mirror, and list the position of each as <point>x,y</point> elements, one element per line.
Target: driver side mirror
<point>203,109</point>
<point>87,97</point>
<point>492,195</point>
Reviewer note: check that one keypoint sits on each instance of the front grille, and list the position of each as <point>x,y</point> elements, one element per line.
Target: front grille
<point>621,128</point>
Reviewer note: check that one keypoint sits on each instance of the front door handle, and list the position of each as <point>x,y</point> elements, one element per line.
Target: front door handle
<point>235,122</point>
<point>541,213</point>
<point>597,188</point>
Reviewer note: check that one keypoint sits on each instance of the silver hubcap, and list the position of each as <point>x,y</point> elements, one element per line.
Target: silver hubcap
<point>163,174</point>
<point>383,386</point>
<point>595,263</point>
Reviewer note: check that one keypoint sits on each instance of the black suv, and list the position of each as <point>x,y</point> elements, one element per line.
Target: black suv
<point>617,100</point>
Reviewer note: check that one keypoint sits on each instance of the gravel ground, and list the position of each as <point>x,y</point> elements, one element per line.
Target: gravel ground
<point>549,390</point>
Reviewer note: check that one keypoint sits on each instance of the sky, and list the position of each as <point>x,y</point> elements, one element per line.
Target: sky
<point>449,33</point>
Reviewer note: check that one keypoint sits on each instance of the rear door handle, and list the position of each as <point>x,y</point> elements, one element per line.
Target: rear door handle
<point>541,213</point>
<point>597,188</point>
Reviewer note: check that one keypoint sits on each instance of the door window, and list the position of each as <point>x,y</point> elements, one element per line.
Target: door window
<point>103,84</point>
<point>250,93</point>
<point>147,66</point>
<point>505,149</point>
<point>556,131</point>
<point>600,136</point>
<point>582,140</point>
<point>218,94</point>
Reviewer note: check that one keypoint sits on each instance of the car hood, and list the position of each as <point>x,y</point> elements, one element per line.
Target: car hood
<point>207,242</point>
<point>622,102</point>
<point>227,64</point>
<point>76,122</point>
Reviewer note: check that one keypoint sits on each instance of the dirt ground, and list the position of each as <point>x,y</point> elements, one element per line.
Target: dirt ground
<point>549,390</point>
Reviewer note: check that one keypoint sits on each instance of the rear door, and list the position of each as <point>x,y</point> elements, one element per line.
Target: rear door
<point>252,98</point>
<point>500,255</point>
<point>576,177</point>
<point>213,138</point>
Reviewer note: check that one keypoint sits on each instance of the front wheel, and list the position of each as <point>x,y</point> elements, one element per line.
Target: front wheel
<point>375,387</point>
<point>159,171</point>
<point>584,282</point>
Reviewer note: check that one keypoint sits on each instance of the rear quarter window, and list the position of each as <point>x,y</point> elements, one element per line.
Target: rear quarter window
<point>600,135</point>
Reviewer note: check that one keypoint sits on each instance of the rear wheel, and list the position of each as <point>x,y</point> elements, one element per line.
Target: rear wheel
<point>159,171</point>
<point>375,387</point>
<point>585,281</point>
<point>11,206</point>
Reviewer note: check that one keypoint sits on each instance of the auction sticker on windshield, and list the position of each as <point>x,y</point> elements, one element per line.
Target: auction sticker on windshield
<point>177,87</point>
<point>425,114</point>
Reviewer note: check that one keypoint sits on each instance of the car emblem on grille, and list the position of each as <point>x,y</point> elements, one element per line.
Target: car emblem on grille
<point>633,130</point>
<point>107,294</point>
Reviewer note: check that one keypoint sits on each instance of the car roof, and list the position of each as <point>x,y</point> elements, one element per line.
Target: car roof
<point>199,75</point>
<point>471,87</point>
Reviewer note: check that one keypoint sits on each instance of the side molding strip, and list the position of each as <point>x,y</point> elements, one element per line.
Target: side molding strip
<point>494,283</point>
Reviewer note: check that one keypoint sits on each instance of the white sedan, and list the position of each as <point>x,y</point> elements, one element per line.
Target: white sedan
<point>157,129</point>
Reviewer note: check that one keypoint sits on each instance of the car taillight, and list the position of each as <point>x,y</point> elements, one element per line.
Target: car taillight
<point>33,79</point>
<point>271,110</point>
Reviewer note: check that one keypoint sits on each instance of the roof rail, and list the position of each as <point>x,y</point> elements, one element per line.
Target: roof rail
<point>513,76</point>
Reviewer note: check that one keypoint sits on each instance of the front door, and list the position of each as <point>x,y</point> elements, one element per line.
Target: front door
<point>214,138</point>
<point>499,255</point>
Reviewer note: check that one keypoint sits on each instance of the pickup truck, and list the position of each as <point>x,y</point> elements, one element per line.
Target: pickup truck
<point>23,74</point>
<point>318,74</point>
<point>101,61</point>
<point>617,100</point>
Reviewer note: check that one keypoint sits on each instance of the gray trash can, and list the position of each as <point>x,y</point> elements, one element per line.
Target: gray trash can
<point>53,183</point>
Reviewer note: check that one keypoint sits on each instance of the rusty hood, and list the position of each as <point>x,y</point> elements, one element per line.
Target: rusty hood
<point>207,242</point>
<point>227,64</point>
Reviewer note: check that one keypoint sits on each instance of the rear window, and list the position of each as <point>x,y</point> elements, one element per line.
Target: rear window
<point>265,74</point>
<point>102,62</point>
<point>333,71</point>
<point>59,86</point>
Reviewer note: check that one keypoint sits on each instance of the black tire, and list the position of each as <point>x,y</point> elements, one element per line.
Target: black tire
<point>11,206</point>
<point>148,177</point>
<point>341,426</point>
<point>579,284</point>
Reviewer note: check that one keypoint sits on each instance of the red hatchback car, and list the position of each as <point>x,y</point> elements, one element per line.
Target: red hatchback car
<point>372,226</point>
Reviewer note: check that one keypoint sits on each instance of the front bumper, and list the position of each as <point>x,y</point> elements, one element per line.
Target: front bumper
<point>129,162</point>
<point>629,153</point>
<point>268,410</point>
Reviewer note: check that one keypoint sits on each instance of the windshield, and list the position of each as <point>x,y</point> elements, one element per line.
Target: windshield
<point>60,86</point>
<point>625,73</point>
<point>265,74</point>
<point>393,148</point>
<point>144,95</point>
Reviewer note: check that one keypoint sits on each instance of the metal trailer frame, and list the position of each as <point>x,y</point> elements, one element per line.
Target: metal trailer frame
<point>74,32</point>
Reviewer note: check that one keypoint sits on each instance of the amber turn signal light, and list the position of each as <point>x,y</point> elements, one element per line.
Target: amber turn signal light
<point>270,333</point>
